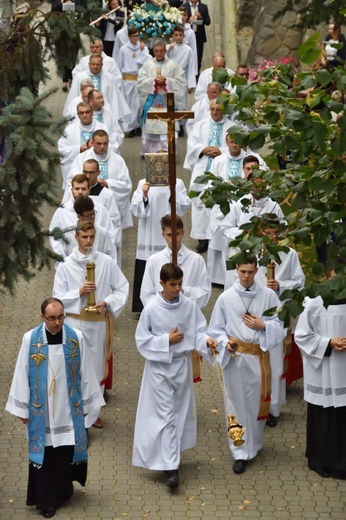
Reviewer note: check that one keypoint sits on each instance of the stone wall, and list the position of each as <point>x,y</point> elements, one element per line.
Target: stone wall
<point>258,36</point>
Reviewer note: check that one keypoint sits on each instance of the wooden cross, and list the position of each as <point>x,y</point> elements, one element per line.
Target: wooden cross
<point>170,116</point>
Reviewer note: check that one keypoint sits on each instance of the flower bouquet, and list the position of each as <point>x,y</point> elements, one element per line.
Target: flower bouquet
<point>152,23</point>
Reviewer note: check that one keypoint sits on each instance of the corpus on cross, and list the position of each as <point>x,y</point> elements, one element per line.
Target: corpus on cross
<point>170,116</point>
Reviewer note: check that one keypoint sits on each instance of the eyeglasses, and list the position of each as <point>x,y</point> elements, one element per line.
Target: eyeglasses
<point>55,318</point>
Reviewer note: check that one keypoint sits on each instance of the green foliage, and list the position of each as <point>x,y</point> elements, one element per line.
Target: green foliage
<point>37,37</point>
<point>312,188</point>
<point>27,180</point>
<point>314,12</point>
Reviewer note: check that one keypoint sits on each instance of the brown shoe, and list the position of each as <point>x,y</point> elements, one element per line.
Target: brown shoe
<point>98,423</point>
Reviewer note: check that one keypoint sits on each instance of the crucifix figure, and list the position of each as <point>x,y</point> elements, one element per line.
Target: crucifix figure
<point>171,116</point>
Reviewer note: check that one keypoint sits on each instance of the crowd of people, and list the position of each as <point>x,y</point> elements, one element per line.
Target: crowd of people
<point>65,365</point>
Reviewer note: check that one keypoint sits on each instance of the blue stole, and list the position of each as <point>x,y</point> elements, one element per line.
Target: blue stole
<point>85,135</point>
<point>38,368</point>
<point>215,137</point>
<point>234,167</point>
<point>99,117</point>
<point>103,165</point>
<point>96,79</point>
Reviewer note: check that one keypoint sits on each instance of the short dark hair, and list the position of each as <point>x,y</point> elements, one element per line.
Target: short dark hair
<point>249,259</point>
<point>83,204</point>
<point>92,161</point>
<point>166,222</point>
<point>132,30</point>
<point>179,28</point>
<point>250,158</point>
<point>47,302</point>
<point>100,133</point>
<point>170,272</point>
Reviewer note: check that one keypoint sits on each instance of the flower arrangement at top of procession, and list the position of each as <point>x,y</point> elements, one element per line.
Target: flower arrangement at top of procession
<point>155,24</point>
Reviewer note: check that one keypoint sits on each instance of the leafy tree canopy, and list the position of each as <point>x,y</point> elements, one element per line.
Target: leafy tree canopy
<point>308,133</point>
<point>315,12</point>
<point>28,133</point>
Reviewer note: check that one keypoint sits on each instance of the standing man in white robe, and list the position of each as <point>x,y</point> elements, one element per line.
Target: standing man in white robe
<point>109,65</point>
<point>288,275</point>
<point>206,141</point>
<point>206,76</point>
<point>111,291</point>
<point>103,114</point>
<point>155,78</point>
<point>131,57</point>
<point>102,195</point>
<point>227,165</point>
<point>170,327</point>
<point>201,108</point>
<point>321,337</point>
<point>65,218</point>
<point>196,285</point>
<point>109,86</point>
<point>75,138</point>
<point>53,387</point>
<point>114,173</point>
<point>149,204</point>
<point>245,337</point>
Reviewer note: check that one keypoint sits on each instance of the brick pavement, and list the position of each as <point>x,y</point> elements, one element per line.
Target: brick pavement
<point>277,485</point>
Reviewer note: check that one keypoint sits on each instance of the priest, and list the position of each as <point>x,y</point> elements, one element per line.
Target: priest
<point>56,395</point>
<point>155,78</point>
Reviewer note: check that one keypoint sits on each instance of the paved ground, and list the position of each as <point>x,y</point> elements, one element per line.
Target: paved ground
<point>277,485</point>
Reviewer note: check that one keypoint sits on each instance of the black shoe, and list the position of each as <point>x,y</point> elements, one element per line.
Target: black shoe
<point>106,396</point>
<point>172,478</point>
<point>49,512</point>
<point>64,88</point>
<point>202,246</point>
<point>181,132</point>
<point>272,421</point>
<point>138,131</point>
<point>131,134</point>
<point>239,466</point>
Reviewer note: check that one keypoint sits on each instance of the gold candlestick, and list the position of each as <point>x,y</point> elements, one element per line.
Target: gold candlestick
<point>271,270</point>
<point>90,266</point>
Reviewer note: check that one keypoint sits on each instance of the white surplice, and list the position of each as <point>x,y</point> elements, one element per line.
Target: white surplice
<point>224,166</point>
<point>71,141</point>
<point>290,275</point>
<point>324,376</point>
<point>149,237</point>
<point>108,65</point>
<point>111,287</point>
<point>205,78</point>
<point>154,136</point>
<point>65,218</point>
<point>242,373</point>
<point>196,284</point>
<point>113,169</point>
<point>183,55</point>
<point>166,412</point>
<point>130,59</point>
<point>200,137</point>
<point>110,88</point>
<point>59,424</point>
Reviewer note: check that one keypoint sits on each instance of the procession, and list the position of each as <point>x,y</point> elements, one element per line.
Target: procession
<point>145,376</point>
